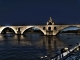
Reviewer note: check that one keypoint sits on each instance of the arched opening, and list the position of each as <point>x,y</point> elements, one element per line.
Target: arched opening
<point>49,23</point>
<point>8,31</point>
<point>70,30</point>
<point>33,31</point>
<point>44,28</point>
<point>55,28</point>
<point>49,28</point>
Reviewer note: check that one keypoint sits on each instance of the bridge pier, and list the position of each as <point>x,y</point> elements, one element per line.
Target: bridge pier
<point>49,32</point>
<point>19,32</point>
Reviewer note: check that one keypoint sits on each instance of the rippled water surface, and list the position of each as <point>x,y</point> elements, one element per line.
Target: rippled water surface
<point>35,46</point>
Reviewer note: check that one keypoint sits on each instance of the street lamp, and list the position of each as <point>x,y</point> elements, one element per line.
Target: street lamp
<point>69,47</point>
<point>44,57</point>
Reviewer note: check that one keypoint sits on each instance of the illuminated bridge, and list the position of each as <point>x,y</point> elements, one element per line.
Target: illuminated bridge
<point>49,29</point>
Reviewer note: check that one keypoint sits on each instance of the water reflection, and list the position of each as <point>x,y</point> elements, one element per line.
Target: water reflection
<point>19,37</point>
<point>33,46</point>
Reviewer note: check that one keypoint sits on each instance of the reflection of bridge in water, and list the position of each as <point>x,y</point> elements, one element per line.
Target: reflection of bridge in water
<point>50,43</point>
<point>49,29</point>
<point>47,41</point>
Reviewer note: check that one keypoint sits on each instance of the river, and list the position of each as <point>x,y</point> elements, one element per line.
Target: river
<point>34,46</point>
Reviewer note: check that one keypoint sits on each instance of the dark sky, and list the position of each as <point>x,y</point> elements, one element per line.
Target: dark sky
<point>24,12</point>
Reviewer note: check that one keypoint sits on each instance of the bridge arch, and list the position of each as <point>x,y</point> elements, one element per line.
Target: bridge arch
<point>2,28</point>
<point>66,28</point>
<point>41,29</point>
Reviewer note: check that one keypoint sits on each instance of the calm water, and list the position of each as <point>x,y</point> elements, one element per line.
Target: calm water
<point>33,47</point>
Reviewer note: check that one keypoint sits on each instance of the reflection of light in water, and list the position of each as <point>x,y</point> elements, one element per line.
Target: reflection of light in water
<point>20,36</point>
<point>1,37</point>
<point>15,36</point>
<point>38,41</point>
<point>43,46</point>
<point>46,45</point>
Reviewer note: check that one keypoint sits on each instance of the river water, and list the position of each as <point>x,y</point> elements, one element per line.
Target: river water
<point>34,46</point>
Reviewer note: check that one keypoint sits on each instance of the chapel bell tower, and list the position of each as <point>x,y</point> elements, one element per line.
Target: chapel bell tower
<point>50,22</point>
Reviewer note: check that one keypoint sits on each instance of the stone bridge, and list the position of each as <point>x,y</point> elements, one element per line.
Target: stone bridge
<point>49,29</point>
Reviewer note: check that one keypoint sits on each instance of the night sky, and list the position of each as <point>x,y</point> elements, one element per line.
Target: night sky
<point>29,12</point>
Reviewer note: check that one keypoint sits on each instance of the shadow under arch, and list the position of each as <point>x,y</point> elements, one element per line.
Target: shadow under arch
<point>8,30</point>
<point>68,28</point>
<point>33,29</point>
